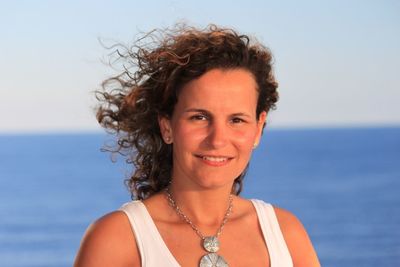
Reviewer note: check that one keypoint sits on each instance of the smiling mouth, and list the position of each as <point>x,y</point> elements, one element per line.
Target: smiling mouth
<point>214,160</point>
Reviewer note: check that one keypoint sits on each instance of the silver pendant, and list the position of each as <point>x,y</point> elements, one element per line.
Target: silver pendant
<point>213,260</point>
<point>211,243</point>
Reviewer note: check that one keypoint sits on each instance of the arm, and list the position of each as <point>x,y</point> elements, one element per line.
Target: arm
<point>108,242</point>
<point>297,240</point>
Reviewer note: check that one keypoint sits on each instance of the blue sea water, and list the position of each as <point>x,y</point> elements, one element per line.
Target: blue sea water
<point>344,185</point>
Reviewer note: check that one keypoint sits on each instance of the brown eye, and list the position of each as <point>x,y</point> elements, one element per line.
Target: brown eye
<point>237,120</point>
<point>198,117</point>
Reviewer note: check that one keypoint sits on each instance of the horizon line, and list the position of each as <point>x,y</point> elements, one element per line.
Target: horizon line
<point>89,131</point>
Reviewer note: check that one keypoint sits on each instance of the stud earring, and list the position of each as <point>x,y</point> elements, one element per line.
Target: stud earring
<point>168,140</point>
<point>255,145</point>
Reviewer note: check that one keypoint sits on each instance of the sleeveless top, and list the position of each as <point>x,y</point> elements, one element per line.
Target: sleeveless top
<point>154,252</point>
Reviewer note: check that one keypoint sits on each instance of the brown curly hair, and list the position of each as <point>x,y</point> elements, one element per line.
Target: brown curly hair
<point>154,70</point>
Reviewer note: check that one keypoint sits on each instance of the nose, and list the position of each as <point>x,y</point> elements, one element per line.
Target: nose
<point>217,135</point>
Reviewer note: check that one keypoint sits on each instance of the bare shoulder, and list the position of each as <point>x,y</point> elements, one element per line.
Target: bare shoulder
<point>297,239</point>
<point>109,241</point>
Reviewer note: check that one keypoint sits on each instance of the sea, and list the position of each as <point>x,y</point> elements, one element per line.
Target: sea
<point>342,183</point>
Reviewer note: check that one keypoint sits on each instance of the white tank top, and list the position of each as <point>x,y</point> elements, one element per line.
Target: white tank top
<point>154,252</point>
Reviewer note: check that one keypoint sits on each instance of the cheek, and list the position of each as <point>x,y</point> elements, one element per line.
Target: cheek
<point>245,138</point>
<point>183,133</point>
<point>187,139</point>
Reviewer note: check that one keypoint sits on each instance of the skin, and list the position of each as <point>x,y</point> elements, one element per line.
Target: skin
<point>213,141</point>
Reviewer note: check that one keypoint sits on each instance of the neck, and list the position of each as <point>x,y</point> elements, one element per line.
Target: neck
<point>203,207</point>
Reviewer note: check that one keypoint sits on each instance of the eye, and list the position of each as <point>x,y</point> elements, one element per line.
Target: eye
<point>198,117</point>
<point>237,120</point>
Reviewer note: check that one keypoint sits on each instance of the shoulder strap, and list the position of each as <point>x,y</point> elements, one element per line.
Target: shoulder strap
<point>152,249</point>
<point>277,248</point>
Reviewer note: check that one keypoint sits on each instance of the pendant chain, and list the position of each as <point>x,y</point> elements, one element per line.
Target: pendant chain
<point>187,220</point>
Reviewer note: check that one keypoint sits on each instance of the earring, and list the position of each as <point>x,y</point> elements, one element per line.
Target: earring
<point>168,140</point>
<point>255,145</point>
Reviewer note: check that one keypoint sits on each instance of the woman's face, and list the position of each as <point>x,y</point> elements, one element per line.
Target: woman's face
<point>214,128</point>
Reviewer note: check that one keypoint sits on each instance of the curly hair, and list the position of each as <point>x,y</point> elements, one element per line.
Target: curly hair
<point>155,68</point>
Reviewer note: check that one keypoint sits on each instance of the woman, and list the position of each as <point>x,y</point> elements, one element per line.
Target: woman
<point>188,118</point>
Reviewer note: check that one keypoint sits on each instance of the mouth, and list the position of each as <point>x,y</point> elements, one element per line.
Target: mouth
<point>214,160</point>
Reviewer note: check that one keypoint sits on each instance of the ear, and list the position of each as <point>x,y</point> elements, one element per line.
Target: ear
<point>260,126</point>
<point>165,129</point>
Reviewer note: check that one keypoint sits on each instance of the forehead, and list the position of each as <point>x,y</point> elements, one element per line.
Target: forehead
<point>217,87</point>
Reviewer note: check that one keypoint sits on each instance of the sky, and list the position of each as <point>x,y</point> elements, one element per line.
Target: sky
<point>337,62</point>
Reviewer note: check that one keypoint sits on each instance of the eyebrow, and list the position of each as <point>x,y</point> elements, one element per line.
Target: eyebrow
<point>207,112</point>
<point>196,110</point>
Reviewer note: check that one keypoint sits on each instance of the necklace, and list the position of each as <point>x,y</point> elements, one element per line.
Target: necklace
<point>210,243</point>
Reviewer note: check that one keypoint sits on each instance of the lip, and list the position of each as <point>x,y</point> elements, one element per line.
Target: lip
<point>214,160</point>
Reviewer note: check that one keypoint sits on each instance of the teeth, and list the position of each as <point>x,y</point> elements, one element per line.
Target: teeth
<point>216,159</point>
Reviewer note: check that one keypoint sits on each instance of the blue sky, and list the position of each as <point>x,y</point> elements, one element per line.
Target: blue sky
<point>337,62</point>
